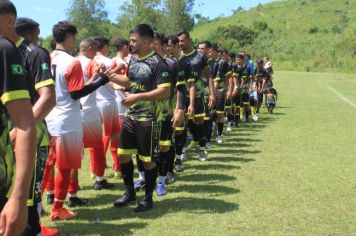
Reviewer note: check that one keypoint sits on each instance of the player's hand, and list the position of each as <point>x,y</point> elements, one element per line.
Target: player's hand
<point>190,110</point>
<point>235,92</point>
<point>13,218</point>
<point>130,99</point>
<point>178,118</point>
<point>12,135</point>
<point>228,95</point>
<point>212,100</point>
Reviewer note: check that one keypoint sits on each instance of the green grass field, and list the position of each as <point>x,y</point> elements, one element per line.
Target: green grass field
<point>291,173</point>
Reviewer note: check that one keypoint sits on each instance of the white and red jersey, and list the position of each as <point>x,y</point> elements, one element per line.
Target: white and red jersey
<point>65,116</point>
<point>104,92</point>
<point>90,111</point>
<point>116,62</point>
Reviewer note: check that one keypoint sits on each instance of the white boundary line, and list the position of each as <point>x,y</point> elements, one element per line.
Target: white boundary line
<point>342,97</point>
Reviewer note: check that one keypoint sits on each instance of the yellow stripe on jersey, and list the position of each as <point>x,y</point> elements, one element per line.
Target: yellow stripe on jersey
<point>180,83</point>
<point>164,85</point>
<point>216,79</point>
<point>165,142</point>
<point>44,83</point>
<point>14,95</point>
<point>191,80</point>
<point>126,151</point>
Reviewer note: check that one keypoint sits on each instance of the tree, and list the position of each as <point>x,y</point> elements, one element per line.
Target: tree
<point>179,13</point>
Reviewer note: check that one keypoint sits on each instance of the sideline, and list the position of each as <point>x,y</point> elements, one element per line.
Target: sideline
<point>341,96</point>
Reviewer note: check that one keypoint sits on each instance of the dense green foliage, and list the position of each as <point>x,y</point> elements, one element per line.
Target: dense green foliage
<point>315,35</point>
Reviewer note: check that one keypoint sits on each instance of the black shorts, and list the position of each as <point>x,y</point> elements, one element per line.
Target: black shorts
<point>260,97</point>
<point>166,133</point>
<point>245,98</point>
<point>270,101</point>
<point>139,137</point>
<point>33,226</point>
<point>199,110</point>
<point>236,101</point>
<point>220,102</point>
<point>228,104</point>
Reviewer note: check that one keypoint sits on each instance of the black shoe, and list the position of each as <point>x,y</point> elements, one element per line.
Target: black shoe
<point>76,201</point>
<point>104,184</point>
<point>170,178</point>
<point>144,205</point>
<point>125,199</point>
<point>50,199</point>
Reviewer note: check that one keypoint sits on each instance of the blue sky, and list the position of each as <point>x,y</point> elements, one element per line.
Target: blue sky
<point>49,12</point>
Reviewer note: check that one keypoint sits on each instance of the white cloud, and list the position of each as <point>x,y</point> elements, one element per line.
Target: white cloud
<point>43,9</point>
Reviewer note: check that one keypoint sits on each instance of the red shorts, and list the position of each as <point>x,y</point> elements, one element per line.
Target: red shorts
<point>92,134</point>
<point>109,117</point>
<point>68,150</point>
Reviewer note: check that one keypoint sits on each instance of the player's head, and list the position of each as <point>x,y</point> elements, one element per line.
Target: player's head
<point>122,45</point>
<point>259,63</point>
<point>232,56</point>
<point>28,28</point>
<point>173,45</point>
<point>204,47</point>
<point>52,44</point>
<point>240,59</point>
<point>213,51</point>
<point>88,47</point>
<point>141,37</point>
<point>157,42</point>
<point>65,32</point>
<point>103,44</point>
<point>185,43</point>
<point>8,16</point>
<point>225,54</point>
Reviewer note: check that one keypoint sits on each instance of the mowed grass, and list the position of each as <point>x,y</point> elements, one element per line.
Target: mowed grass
<point>291,173</point>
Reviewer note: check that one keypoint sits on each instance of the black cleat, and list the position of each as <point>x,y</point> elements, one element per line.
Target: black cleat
<point>76,201</point>
<point>50,199</point>
<point>104,184</point>
<point>170,178</point>
<point>125,199</point>
<point>144,205</point>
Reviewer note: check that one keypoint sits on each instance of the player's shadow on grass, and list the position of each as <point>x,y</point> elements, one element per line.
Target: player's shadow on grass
<point>211,178</point>
<point>204,188</point>
<point>215,166</point>
<point>236,159</point>
<point>98,228</point>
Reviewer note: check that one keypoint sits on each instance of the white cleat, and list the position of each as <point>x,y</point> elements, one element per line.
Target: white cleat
<point>255,118</point>
<point>228,129</point>
<point>219,139</point>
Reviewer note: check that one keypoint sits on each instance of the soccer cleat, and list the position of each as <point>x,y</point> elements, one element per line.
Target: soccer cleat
<point>104,184</point>
<point>255,118</point>
<point>229,129</point>
<point>125,199</point>
<point>45,231</point>
<point>144,205</point>
<point>50,199</point>
<point>170,178</point>
<point>202,155</point>
<point>161,189</point>
<point>208,145</point>
<point>140,183</point>
<point>179,167</point>
<point>219,139</point>
<point>62,214</point>
<point>76,201</point>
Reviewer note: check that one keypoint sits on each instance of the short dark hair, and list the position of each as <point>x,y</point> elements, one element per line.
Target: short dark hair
<point>52,44</point>
<point>248,56</point>
<point>25,25</point>
<point>88,42</point>
<point>241,56</point>
<point>173,39</point>
<point>207,43</point>
<point>101,42</point>
<point>159,36</point>
<point>143,30</point>
<point>7,7</point>
<point>184,32</point>
<point>120,43</point>
<point>232,55</point>
<point>62,29</point>
<point>214,46</point>
<point>225,51</point>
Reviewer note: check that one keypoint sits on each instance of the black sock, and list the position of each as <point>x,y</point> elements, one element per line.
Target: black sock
<point>163,163</point>
<point>229,117</point>
<point>127,170</point>
<point>140,166</point>
<point>192,128</point>
<point>150,176</point>
<point>180,141</point>
<point>209,129</point>
<point>171,156</point>
<point>220,128</point>
<point>200,128</point>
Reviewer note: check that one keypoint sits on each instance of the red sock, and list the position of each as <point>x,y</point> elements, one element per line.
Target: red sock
<point>106,141</point>
<point>92,160</point>
<point>115,157</point>
<point>61,187</point>
<point>99,159</point>
<point>73,185</point>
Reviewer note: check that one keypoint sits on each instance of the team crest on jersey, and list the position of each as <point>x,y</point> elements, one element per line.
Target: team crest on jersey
<point>44,66</point>
<point>17,69</point>
<point>164,74</point>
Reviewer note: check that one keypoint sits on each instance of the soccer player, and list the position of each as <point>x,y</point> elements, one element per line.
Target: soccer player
<point>265,81</point>
<point>267,65</point>
<point>229,102</point>
<point>221,84</point>
<point>147,81</point>
<point>64,121</point>
<point>92,130</point>
<point>205,47</point>
<point>105,97</point>
<point>36,61</point>
<point>198,66</point>
<point>15,106</point>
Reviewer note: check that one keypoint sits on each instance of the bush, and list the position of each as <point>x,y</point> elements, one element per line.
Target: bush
<point>260,25</point>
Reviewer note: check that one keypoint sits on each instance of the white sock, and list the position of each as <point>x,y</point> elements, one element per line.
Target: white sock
<point>99,179</point>
<point>162,179</point>
<point>229,123</point>
<point>39,208</point>
<point>50,192</point>
<point>141,175</point>
<point>178,157</point>
<point>72,195</point>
